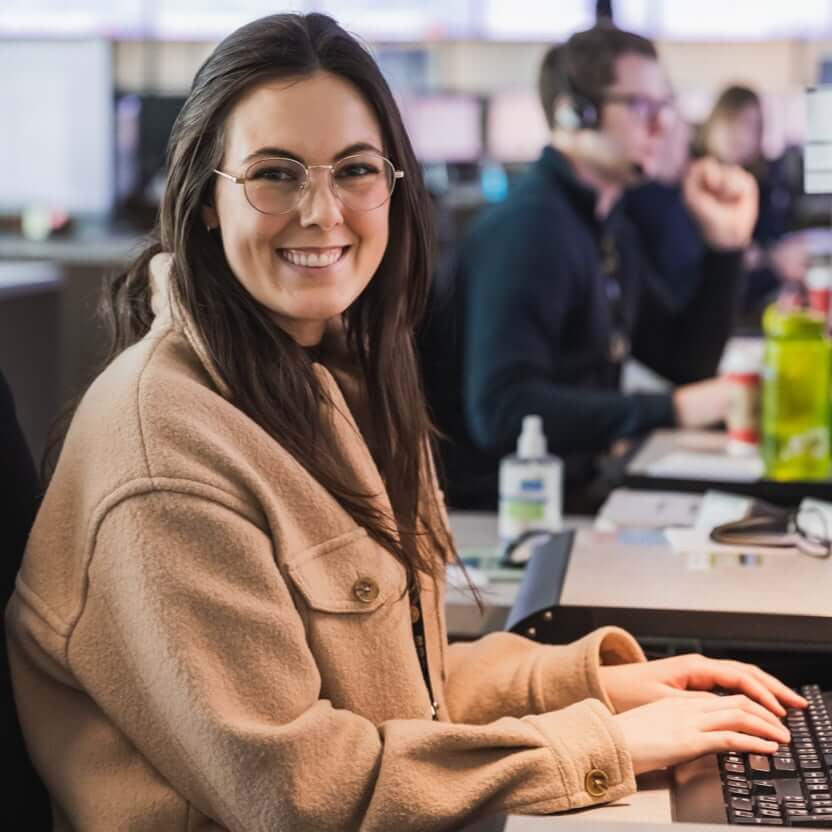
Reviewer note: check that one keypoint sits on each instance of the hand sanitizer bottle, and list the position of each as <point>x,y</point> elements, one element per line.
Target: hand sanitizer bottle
<point>530,486</point>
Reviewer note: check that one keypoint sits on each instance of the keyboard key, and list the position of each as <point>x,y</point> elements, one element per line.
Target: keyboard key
<point>763,787</point>
<point>759,766</point>
<point>785,767</point>
<point>741,804</point>
<point>735,780</point>
<point>809,821</point>
<point>735,768</point>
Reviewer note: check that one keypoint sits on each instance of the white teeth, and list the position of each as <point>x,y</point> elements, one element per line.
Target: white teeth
<point>314,261</point>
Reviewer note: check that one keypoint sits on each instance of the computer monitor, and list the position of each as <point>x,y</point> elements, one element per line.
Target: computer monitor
<point>211,20</point>
<point>79,18</point>
<point>56,143</point>
<point>744,19</point>
<point>390,21</point>
<point>515,127</point>
<point>535,20</point>
<point>443,128</point>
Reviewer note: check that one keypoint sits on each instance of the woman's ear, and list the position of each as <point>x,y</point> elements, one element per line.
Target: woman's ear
<point>209,217</point>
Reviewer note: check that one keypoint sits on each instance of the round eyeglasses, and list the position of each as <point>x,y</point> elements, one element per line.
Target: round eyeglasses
<point>276,185</point>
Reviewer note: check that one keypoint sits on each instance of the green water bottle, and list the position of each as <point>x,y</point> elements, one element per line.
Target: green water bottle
<point>795,400</point>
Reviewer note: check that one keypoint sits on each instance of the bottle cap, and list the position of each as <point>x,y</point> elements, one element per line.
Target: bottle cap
<point>532,441</point>
<point>819,277</point>
<point>742,362</point>
<point>793,323</point>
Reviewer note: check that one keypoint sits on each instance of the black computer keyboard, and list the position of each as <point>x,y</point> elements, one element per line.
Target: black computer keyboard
<point>792,787</point>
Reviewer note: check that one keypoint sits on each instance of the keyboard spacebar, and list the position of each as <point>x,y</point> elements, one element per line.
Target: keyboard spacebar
<point>788,788</point>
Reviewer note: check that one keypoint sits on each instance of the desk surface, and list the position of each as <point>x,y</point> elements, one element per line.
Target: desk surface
<point>780,599</point>
<point>663,442</point>
<point>649,807</point>
<point>25,278</point>
<point>89,244</point>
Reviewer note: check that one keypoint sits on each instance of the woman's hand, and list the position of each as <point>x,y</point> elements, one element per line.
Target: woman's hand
<point>672,731</point>
<point>632,685</point>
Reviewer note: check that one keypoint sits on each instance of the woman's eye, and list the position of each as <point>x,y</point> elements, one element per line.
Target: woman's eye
<point>275,175</point>
<point>356,170</point>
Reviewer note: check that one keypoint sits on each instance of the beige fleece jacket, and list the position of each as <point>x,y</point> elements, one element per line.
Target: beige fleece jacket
<point>189,649</point>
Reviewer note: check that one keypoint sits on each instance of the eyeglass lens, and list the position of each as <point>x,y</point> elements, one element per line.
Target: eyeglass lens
<point>362,182</point>
<point>813,531</point>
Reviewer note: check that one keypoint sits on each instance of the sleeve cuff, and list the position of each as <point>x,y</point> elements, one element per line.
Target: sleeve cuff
<point>608,645</point>
<point>559,687</point>
<point>594,763</point>
<point>654,410</point>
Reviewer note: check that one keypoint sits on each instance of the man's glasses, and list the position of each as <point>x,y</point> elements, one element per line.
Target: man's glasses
<point>644,107</point>
<point>362,182</point>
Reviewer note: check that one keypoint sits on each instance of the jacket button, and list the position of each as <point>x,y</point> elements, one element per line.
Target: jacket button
<point>365,590</point>
<point>597,783</point>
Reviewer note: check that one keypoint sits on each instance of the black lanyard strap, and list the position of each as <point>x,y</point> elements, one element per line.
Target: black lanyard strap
<point>421,647</point>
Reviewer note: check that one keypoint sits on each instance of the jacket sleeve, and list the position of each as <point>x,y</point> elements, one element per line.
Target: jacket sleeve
<point>516,297</point>
<point>171,644</point>
<point>503,674</point>
<point>684,343</point>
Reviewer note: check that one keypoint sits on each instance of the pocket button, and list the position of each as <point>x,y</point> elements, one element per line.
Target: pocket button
<point>365,590</point>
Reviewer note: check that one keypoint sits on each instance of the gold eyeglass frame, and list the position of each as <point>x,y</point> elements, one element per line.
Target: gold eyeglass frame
<point>241,180</point>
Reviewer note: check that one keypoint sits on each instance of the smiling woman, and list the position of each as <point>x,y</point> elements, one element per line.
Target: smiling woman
<point>230,611</point>
<point>304,245</point>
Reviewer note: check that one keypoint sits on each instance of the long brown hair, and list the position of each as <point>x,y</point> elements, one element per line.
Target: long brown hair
<point>271,377</point>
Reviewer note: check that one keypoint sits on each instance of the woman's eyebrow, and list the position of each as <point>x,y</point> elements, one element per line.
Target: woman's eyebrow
<point>267,152</point>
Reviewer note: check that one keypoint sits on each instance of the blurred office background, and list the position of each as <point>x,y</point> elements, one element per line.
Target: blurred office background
<point>89,91</point>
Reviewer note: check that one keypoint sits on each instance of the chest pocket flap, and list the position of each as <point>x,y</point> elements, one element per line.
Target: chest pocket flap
<point>349,574</point>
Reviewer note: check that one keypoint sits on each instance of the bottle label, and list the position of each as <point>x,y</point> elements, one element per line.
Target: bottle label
<point>743,416</point>
<point>812,444</point>
<point>530,499</point>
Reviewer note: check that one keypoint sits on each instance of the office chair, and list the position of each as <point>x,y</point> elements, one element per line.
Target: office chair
<point>26,801</point>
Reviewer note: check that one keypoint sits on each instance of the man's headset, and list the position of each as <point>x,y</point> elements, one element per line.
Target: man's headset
<point>579,111</point>
<point>576,110</point>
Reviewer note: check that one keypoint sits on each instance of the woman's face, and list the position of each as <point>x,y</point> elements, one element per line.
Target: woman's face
<point>308,265</point>
<point>737,139</point>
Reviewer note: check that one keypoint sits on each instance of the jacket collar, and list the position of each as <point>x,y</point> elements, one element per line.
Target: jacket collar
<point>555,168</point>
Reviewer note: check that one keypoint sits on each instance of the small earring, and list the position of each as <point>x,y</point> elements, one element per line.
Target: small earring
<point>209,228</point>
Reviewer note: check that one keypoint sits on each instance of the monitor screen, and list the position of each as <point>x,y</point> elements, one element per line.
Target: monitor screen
<point>57,141</point>
<point>443,128</point>
<point>535,20</point>
<point>211,20</point>
<point>744,19</point>
<point>515,128</point>
<point>80,18</point>
<point>401,20</point>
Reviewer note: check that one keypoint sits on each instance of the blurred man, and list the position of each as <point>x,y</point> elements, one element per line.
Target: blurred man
<point>551,292</point>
